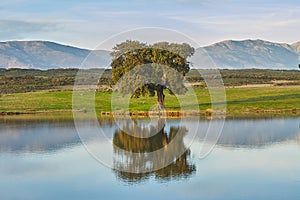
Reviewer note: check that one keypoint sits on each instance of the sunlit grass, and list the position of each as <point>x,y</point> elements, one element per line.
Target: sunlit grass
<point>239,100</point>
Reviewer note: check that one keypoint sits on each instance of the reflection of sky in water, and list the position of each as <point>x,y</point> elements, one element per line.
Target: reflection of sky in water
<point>47,161</point>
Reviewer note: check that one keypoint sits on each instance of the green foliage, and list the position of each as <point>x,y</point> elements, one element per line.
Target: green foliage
<point>151,61</point>
<point>127,46</point>
<point>184,50</point>
<point>238,77</point>
<point>28,80</point>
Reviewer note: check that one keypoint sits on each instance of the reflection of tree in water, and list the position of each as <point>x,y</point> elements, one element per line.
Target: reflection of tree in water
<point>151,149</point>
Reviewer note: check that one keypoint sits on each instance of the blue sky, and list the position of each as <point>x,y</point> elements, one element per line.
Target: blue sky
<point>86,23</point>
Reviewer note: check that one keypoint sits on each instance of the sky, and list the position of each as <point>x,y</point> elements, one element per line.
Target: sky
<point>86,23</point>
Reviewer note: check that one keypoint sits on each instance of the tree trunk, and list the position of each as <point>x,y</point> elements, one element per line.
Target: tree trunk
<point>160,98</point>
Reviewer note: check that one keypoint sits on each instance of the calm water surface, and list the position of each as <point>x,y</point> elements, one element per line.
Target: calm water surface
<point>253,159</point>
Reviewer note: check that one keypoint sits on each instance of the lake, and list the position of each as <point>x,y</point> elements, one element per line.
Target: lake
<point>252,159</point>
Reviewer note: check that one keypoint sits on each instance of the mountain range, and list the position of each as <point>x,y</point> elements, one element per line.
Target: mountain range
<point>254,54</point>
<point>48,55</point>
<point>225,54</point>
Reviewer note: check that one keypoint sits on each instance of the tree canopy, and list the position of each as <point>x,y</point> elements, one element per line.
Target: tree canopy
<point>157,58</point>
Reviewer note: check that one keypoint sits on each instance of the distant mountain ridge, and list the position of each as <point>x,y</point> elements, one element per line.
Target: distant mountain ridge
<point>225,54</point>
<point>296,47</point>
<point>46,55</point>
<point>254,54</point>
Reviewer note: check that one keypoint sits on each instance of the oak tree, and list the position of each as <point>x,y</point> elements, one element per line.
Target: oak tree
<point>130,54</point>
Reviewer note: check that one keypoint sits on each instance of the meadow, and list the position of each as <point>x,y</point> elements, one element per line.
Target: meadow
<point>244,101</point>
<point>259,92</point>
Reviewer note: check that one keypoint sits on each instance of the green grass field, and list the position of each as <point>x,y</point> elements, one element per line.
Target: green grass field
<point>240,101</point>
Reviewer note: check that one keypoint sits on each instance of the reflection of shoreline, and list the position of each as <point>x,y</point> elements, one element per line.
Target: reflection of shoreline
<point>42,135</point>
<point>261,133</point>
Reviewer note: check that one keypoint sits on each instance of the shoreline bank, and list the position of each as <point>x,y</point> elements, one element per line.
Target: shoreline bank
<point>207,114</point>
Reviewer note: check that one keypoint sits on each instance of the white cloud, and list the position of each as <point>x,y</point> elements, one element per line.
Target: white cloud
<point>87,23</point>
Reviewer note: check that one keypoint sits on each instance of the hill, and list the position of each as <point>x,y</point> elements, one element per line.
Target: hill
<point>254,54</point>
<point>226,54</point>
<point>296,47</point>
<point>47,55</point>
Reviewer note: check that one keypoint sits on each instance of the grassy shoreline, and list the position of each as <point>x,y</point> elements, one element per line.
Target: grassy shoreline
<point>248,101</point>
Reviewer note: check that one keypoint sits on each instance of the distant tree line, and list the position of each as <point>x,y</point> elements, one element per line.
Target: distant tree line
<point>27,80</point>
